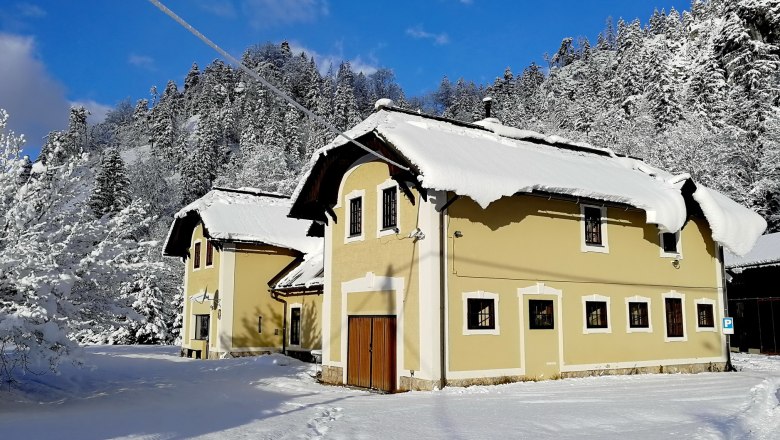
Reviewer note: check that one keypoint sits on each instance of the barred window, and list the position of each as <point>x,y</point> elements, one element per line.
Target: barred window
<point>201,326</point>
<point>355,216</point>
<point>705,315</point>
<point>389,208</point>
<point>674,318</point>
<point>196,256</point>
<point>637,315</point>
<point>481,314</point>
<point>540,313</point>
<point>593,226</point>
<point>596,314</point>
<point>209,253</point>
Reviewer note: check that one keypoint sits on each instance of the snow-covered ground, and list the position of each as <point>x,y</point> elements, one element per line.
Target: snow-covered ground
<point>151,393</point>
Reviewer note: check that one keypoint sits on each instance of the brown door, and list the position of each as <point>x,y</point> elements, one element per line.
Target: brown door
<point>371,352</point>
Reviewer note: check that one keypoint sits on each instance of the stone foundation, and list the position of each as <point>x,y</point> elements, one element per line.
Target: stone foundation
<point>332,375</point>
<point>415,384</point>
<point>683,368</point>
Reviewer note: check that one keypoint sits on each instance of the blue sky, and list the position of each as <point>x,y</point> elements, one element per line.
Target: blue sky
<point>98,52</point>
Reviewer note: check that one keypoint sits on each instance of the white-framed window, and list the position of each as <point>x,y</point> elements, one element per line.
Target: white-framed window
<point>674,317</point>
<point>387,208</point>
<point>670,244</point>
<point>197,247</point>
<point>480,313</point>
<point>354,229</point>
<point>209,253</point>
<point>638,315</point>
<point>295,324</point>
<point>593,228</point>
<point>596,314</point>
<point>705,315</point>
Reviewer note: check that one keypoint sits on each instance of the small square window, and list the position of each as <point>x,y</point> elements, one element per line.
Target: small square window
<point>356,217</point>
<point>669,242</point>
<point>201,327</point>
<point>596,314</point>
<point>705,315</point>
<point>540,314</point>
<point>196,256</point>
<point>209,253</point>
<point>390,208</point>
<point>637,315</point>
<point>481,314</point>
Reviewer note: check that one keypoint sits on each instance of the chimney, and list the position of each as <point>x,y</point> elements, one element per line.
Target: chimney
<point>488,101</point>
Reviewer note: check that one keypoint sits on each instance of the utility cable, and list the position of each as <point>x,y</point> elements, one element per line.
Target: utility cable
<point>267,84</point>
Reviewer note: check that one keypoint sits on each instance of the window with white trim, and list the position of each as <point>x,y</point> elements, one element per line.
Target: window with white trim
<point>541,314</point>
<point>196,255</point>
<point>353,211</point>
<point>295,326</point>
<point>209,253</point>
<point>594,229</point>
<point>705,315</point>
<point>201,327</point>
<point>670,244</point>
<point>638,315</point>
<point>387,209</point>
<point>480,313</point>
<point>596,314</point>
<point>674,317</point>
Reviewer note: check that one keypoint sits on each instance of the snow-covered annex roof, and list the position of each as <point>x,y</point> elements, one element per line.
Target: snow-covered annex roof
<point>765,253</point>
<point>240,215</point>
<point>486,161</point>
<point>305,276</point>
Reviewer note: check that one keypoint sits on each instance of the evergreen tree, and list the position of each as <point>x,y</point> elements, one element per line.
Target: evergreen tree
<point>111,191</point>
<point>345,107</point>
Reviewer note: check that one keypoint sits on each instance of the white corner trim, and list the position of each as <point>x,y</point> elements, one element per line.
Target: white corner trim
<point>639,299</point>
<point>289,324</point>
<point>327,294</point>
<point>681,297</point>
<point>676,255</point>
<point>596,298</point>
<point>227,274</point>
<point>389,183</point>
<point>480,295</point>
<point>358,193</point>
<point>604,247</point>
<point>711,303</point>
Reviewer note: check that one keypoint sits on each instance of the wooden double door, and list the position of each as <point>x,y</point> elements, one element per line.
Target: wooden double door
<point>371,358</point>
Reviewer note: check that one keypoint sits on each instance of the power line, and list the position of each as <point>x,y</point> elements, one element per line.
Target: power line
<point>270,86</point>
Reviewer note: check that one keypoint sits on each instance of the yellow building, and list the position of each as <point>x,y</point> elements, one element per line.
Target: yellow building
<point>236,244</point>
<point>463,253</point>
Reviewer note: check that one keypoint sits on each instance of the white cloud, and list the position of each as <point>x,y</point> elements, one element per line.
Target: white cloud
<point>30,10</point>
<point>326,61</point>
<point>268,13</point>
<point>35,101</point>
<point>97,111</point>
<point>142,61</point>
<point>419,33</point>
<point>223,9</point>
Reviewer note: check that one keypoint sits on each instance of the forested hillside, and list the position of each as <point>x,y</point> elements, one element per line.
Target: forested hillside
<point>81,227</point>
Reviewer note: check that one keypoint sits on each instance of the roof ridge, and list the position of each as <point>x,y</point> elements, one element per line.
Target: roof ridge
<point>251,191</point>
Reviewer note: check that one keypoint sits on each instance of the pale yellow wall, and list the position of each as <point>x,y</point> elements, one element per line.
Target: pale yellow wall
<point>204,279</point>
<point>255,266</point>
<point>311,320</point>
<point>394,255</point>
<point>522,240</point>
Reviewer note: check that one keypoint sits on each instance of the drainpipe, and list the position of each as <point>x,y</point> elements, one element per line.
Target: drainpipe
<point>443,293</point>
<point>729,366</point>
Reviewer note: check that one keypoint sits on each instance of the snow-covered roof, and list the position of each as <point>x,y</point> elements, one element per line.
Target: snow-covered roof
<point>244,215</point>
<point>486,161</point>
<point>765,252</point>
<point>307,275</point>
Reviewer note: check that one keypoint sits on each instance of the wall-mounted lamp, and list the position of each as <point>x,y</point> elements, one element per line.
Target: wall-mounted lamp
<point>676,263</point>
<point>417,234</point>
<point>457,234</point>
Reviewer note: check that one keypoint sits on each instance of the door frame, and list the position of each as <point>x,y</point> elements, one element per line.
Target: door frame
<point>394,378</point>
<point>540,289</point>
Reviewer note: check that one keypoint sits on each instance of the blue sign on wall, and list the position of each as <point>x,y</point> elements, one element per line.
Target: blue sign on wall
<point>728,326</point>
